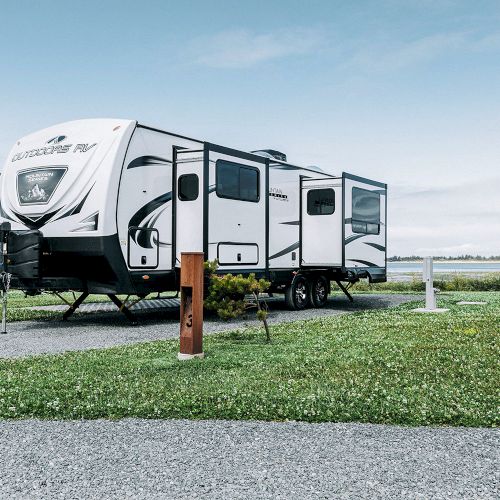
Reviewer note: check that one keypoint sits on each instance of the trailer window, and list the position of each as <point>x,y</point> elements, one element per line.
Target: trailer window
<point>320,202</point>
<point>188,187</point>
<point>365,211</point>
<point>237,182</point>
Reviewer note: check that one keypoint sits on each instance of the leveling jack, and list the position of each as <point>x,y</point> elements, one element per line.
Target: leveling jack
<point>345,289</point>
<point>122,307</point>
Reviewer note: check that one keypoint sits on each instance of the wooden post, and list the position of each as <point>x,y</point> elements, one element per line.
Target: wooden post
<point>191,323</point>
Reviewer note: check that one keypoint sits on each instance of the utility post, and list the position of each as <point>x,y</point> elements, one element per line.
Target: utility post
<point>428,279</point>
<point>430,291</point>
<point>191,321</point>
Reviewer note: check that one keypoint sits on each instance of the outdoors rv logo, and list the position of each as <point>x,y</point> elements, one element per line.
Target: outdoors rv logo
<point>54,147</point>
<point>36,186</point>
<point>57,139</point>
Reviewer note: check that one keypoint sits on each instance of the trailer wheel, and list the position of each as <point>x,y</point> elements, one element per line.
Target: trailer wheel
<point>319,291</point>
<point>297,294</point>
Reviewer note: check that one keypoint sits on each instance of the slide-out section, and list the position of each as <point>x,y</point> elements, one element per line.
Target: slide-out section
<point>321,222</point>
<point>237,192</point>
<point>365,234</point>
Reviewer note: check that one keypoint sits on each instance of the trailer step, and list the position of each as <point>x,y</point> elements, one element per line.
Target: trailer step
<point>98,307</point>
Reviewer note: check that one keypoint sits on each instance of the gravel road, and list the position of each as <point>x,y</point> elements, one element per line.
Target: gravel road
<point>227,460</point>
<point>91,331</point>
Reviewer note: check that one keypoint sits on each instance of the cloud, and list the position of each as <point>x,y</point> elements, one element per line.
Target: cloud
<point>446,219</point>
<point>243,48</point>
<point>386,55</point>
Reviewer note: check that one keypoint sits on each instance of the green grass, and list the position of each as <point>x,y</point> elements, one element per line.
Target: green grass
<point>391,366</point>
<point>489,282</point>
<point>18,304</point>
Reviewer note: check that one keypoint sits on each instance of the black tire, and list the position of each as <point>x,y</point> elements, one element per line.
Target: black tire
<point>319,291</point>
<point>297,294</point>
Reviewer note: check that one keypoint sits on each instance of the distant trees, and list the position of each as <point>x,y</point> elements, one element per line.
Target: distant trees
<point>397,258</point>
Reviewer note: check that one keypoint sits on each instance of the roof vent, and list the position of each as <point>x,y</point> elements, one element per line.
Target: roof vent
<point>270,153</point>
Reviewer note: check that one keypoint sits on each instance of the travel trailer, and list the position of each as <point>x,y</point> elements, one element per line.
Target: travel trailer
<point>107,206</point>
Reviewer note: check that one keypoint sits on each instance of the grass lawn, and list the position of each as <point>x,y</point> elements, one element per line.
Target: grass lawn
<point>18,304</point>
<point>391,366</point>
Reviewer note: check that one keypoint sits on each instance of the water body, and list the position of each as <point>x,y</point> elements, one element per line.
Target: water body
<point>445,267</point>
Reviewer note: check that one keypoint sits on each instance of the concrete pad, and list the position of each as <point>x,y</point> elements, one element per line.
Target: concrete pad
<point>424,310</point>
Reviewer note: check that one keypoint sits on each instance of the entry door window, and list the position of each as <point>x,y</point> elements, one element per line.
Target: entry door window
<point>188,187</point>
<point>237,182</point>
<point>320,201</point>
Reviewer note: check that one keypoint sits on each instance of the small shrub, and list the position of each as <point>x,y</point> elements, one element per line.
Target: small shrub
<point>227,294</point>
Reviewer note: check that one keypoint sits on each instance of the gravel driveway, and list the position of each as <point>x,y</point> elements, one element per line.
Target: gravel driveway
<point>219,459</point>
<point>91,331</point>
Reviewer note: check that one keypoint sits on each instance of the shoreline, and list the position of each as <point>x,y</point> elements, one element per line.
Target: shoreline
<point>440,261</point>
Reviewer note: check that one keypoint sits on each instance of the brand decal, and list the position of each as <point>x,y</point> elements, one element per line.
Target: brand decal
<point>55,148</point>
<point>36,186</point>
<point>56,140</point>
<point>277,194</point>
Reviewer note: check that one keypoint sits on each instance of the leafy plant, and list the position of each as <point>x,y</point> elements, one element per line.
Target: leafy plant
<point>228,294</point>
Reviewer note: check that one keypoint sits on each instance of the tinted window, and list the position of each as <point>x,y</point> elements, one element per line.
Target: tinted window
<point>365,211</point>
<point>320,202</point>
<point>188,187</point>
<point>236,181</point>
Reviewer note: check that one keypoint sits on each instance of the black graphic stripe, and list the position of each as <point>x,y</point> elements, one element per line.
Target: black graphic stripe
<point>142,238</point>
<point>365,262</point>
<point>156,241</point>
<point>285,251</point>
<point>291,223</point>
<point>78,208</point>
<point>35,224</point>
<point>148,161</point>
<point>375,245</point>
<point>352,238</point>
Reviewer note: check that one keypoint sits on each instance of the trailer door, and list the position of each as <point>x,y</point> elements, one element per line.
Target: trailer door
<point>321,222</point>
<point>189,202</point>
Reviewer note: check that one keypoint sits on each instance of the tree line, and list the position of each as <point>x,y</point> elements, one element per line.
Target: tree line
<point>397,258</point>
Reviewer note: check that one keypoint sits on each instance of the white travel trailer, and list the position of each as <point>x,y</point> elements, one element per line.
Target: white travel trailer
<point>107,206</point>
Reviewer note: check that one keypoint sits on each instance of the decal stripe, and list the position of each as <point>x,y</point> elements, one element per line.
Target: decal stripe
<point>365,262</point>
<point>148,161</point>
<point>35,224</point>
<point>285,251</point>
<point>375,245</point>
<point>142,238</point>
<point>353,237</point>
<point>291,223</point>
<point>78,208</point>
<point>150,207</point>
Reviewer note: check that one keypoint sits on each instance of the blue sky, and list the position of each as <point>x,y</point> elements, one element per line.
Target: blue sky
<point>407,92</point>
